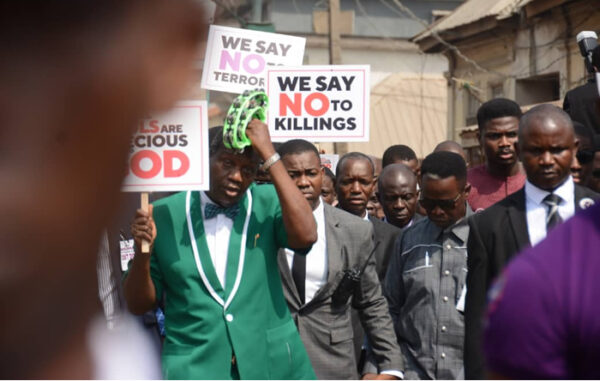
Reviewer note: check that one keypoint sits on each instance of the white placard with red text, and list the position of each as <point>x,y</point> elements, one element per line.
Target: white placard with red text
<point>237,59</point>
<point>319,103</point>
<point>330,161</point>
<point>169,152</point>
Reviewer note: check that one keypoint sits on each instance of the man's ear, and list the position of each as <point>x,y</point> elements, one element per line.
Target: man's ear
<point>467,190</point>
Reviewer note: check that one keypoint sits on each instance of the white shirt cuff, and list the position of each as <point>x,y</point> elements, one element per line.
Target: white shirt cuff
<point>395,373</point>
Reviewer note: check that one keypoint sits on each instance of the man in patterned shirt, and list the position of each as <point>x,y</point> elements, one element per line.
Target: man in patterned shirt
<point>425,282</point>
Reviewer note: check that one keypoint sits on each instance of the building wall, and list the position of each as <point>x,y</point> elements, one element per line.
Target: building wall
<point>372,18</point>
<point>529,53</point>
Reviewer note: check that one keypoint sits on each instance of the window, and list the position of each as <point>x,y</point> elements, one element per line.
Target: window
<point>538,89</point>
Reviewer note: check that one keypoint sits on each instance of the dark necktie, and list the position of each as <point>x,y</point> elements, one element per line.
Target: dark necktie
<point>299,274</point>
<point>552,218</point>
<point>212,210</point>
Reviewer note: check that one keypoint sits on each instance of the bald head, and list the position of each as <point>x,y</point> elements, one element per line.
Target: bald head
<point>397,194</point>
<point>549,116</point>
<point>396,171</point>
<point>451,146</point>
<point>547,146</point>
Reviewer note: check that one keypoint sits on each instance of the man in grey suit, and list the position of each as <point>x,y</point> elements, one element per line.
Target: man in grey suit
<point>311,286</point>
<point>355,181</point>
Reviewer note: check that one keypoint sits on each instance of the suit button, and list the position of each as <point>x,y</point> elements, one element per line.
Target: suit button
<point>229,317</point>
<point>445,299</point>
<point>443,328</point>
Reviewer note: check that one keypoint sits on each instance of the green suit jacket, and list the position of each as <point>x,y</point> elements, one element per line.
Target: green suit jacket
<point>206,324</point>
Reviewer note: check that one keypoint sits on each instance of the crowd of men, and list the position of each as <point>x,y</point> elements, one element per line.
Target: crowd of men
<point>390,279</point>
<point>271,281</point>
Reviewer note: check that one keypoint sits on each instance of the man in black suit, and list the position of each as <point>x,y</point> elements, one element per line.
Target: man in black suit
<point>580,102</point>
<point>398,195</point>
<point>547,145</point>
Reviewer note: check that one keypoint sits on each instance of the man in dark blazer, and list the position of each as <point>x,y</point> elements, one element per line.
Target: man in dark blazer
<point>580,102</point>
<point>398,195</point>
<point>547,145</point>
<point>310,283</point>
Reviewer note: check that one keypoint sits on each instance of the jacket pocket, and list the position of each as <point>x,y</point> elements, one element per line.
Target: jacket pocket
<point>176,360</point>
<point>341,334</point>
<point>281,344</point>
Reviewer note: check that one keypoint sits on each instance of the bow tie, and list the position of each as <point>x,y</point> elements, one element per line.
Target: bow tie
<point>211,211</point>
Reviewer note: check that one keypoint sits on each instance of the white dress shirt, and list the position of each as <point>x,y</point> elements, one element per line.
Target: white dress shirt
<point>366,216</point>
<point>217,231</point>
<point>537,210</point>
<point>316,259</point>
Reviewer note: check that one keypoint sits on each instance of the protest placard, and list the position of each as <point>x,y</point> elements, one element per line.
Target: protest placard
<point>319,103</point>
<point>169,152</point>
<point>237,59</point>
<point>330,161</point>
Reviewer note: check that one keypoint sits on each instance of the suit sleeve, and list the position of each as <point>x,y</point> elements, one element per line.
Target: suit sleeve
<point>475,301</point>
<point>567,103</point>
<point>393,286</point>
<point>372,308</point>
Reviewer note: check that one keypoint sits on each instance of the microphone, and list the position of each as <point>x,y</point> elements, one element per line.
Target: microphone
<point>587,41</point>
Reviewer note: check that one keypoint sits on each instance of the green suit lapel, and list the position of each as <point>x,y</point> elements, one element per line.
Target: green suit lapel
<point>207,265</point>
<point>235,245</point>
<point>236,252</point>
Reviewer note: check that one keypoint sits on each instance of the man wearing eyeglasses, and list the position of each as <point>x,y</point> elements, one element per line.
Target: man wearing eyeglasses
<point>425,282</point>
<point>547,146</point>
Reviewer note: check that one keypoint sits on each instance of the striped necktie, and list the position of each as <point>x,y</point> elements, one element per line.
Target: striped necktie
<point>552,218</point>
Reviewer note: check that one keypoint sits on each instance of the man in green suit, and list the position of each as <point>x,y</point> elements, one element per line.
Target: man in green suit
<point>214,255</point>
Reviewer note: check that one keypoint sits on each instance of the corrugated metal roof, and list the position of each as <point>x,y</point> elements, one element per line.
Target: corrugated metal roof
<point>407,109</point>
<point>474,10</point>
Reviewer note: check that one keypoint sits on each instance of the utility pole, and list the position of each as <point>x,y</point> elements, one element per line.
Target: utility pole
<point>257,11</point>
<point>335,47</point>
<point>335,53</point>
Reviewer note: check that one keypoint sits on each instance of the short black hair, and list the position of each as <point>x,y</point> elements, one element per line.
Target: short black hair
<point>215,143</point>
<point>297,146</point>
<point>397,152</point>
<point>354,156</point>
<point>583,130</point>
<point>329,173</point>
<point>444,164</point>
<point>497,108</point>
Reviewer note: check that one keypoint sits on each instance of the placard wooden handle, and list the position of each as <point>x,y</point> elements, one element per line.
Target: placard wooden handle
<point>144,201</point>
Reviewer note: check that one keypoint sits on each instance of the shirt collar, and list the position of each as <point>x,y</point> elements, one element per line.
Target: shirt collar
<point>460,228</point>
<point>409,224</point>
<point>319,212</point>
<point>366,216</point>
<point>566,191</point>
<point>204,199</point>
